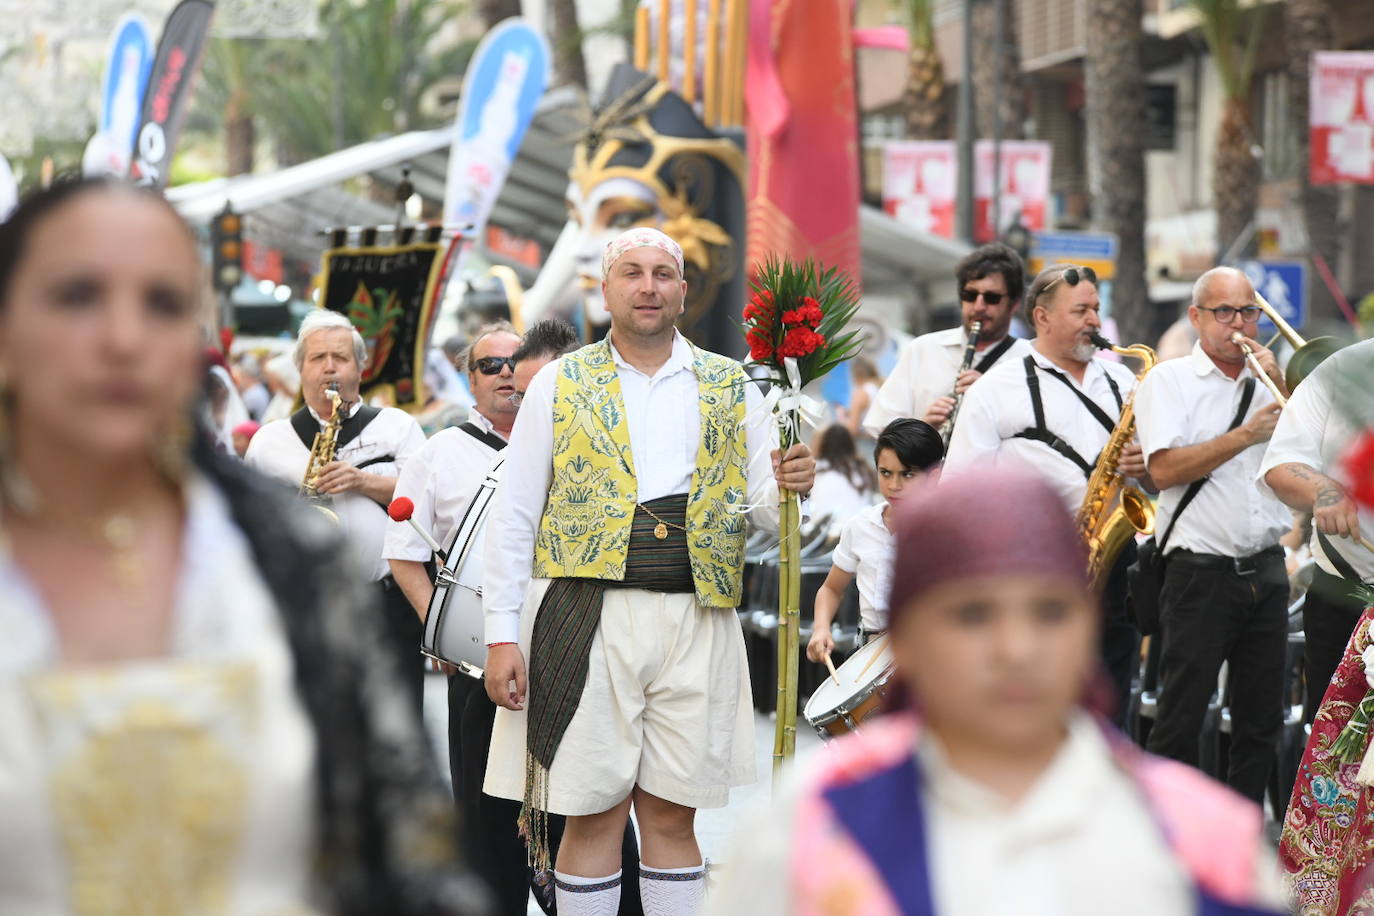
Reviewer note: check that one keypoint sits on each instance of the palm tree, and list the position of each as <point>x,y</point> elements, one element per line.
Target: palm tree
<point>1307,27</point>
<point>363,79</point>
<point>1116,96</point>
<point>923,101</point>
<point>493,11</point>
<point>999,88</point>
<point>569,66</point>
<point>1236,171</point>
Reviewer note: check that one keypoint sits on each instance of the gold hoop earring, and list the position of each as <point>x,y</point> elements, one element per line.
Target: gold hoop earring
<point>172,453</point>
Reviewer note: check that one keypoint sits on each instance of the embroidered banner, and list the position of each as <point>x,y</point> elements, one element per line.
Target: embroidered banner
<point>388,292</point>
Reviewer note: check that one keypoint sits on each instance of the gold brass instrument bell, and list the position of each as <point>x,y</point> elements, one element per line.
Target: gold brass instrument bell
<point>1307,354</point>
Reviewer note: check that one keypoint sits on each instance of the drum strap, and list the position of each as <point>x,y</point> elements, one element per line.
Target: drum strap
<point>491,440</point>
<point>561,645</point>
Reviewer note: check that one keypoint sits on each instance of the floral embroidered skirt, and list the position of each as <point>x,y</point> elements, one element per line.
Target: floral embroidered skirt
<point>1327,846</point>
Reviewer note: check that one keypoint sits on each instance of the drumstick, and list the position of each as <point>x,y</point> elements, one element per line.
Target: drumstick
<point>401,510</point>
<point>831,666</point>
<point>876,656</point>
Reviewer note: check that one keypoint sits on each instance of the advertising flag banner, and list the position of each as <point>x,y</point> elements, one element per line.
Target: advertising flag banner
<point>1342,117</point>
<point>169,88</point>
<point>919,184</point>
<point>1024,182</point>
<point>388,292</point>
<point>128,64</point>
<point>505,80</point>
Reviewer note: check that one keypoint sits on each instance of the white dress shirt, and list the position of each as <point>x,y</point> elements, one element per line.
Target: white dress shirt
<point>278,452</point>
<point>1188,401</point>
<point>664,417</point>
<point>1081,842</point>
<point>926,370</point>
<point>865,551</point>
<point>1326,413</point>
<point>441,479</point>
<point>998,406</point>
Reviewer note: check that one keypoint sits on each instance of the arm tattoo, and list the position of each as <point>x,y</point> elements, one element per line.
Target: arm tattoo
<point>1327,496</point>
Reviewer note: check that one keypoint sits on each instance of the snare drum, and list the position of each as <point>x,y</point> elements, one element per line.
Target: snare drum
<point>453,624</point>
<point>837,709</point>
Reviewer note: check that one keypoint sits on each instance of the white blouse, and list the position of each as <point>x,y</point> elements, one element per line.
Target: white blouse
<point>181,784</point>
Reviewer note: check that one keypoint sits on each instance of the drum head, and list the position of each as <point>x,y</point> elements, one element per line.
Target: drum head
<point>860,673</point>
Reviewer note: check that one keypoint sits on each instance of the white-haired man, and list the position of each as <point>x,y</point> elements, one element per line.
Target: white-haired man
<point>373,445</point>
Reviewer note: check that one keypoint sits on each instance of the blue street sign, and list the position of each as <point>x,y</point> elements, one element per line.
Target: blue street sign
<point>1283,284</point>
<point>1086,249</point>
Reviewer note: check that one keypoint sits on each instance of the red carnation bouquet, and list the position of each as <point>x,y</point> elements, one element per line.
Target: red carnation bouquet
<point>795,324</point>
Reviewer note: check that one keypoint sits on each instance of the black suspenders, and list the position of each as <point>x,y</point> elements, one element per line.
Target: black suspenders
<point>1041,433</point>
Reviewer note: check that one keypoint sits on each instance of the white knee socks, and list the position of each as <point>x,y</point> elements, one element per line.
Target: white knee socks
<point>586,896</point>
<point>672,891</point>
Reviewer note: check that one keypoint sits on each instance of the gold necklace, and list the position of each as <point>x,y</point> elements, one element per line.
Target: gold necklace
<point>661,529</point>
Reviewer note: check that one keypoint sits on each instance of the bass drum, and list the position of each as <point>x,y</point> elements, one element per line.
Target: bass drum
<point>453,623</point>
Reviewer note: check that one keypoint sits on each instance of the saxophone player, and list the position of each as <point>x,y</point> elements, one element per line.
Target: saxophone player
<point>372,446</point>
<point>1052,411</point>
<point>1203,422</point>
<point>927,377</point>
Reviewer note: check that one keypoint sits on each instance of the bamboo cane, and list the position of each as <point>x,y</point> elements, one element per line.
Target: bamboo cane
<point>789,633</point>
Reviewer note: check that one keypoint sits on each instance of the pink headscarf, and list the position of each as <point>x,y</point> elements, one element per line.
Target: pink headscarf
<point>989,523</point>
<point>639,237</point>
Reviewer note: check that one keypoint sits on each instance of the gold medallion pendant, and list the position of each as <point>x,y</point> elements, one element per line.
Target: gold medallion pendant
<point>661,531</point>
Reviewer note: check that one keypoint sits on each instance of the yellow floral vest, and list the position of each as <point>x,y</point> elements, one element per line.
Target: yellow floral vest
<point>585,531</point>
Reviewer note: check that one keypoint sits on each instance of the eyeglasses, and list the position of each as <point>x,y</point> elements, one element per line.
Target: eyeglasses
<point>1072,277</point>
<point>971,295</point>
<point>491,365</point>
<point>1224,313</point>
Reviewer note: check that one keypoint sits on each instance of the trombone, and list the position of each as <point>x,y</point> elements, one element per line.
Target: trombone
<point>1238,339</point>
<point>1307,354</point>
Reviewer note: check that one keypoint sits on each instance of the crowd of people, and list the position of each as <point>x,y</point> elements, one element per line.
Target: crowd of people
<point>212,690</point>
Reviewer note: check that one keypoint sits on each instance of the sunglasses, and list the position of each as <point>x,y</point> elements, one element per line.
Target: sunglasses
<point>491,365</point>
<point>1224,313</point>
<point>971,295</point>
<point>1072,276</point>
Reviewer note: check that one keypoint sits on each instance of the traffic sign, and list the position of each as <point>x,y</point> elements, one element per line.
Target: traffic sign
<point>1283,284</point>
<point>1085,249</point>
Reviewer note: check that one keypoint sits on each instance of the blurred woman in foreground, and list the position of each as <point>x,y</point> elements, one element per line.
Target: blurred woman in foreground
<point>194,714</point>
<point>993,788</point>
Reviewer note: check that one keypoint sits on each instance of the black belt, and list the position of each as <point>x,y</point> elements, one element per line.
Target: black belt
<point>1241,566</point>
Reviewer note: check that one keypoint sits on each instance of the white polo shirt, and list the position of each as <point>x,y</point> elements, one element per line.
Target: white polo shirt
<point>1188,401</point>
<point>441,480</point>
<point>278,452</point>
<point>1326,413</point>
<point>998,406</point>
<point>865,552</point>
<point>926,370</point>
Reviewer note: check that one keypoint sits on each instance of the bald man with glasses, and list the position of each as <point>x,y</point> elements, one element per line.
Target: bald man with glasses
<point>991,280</point>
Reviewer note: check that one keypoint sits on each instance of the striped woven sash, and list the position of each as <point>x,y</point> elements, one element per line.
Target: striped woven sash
<point>562,643</point>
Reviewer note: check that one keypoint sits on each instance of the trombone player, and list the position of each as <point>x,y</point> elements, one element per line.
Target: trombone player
<point>1203,420</point>
<point>1299,467</point>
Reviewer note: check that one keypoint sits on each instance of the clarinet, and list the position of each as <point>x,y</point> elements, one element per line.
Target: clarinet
<point>947,427</point>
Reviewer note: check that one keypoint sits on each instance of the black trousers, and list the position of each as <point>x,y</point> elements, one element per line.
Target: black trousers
<point>1120,645</point>
<point>1210,613</point>
<point>488,824</point>
<point>1329,616</point>
<point>405,632</point>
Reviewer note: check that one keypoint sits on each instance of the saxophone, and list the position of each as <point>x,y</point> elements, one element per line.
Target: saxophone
<point>323,448</point>
<point>1113,512</point>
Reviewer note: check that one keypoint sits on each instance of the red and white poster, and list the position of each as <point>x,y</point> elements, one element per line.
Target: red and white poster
<point>1342,115</point>
<point>1025,187</point>
<point>919,184</point>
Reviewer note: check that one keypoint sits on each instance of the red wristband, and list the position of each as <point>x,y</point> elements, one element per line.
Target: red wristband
<point>493,645</point>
